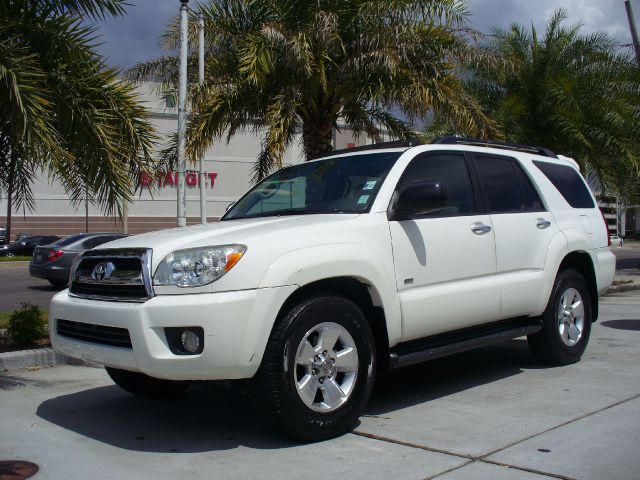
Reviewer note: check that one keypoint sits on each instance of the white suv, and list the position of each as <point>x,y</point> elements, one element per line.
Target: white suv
<point>329,271</point>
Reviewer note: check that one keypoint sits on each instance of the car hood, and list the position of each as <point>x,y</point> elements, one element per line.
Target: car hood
<point>247,232</point>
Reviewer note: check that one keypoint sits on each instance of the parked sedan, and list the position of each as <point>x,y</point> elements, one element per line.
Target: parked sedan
<point>27,245</point>
<point>53,262</point>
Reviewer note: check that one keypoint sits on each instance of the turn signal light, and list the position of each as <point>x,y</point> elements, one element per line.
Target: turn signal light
<point>53,255</point>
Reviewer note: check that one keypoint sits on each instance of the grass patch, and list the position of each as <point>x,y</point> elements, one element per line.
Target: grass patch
<point>14,259</point>
<point>4,318</point>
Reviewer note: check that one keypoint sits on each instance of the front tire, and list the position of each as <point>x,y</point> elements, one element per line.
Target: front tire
<point>144,385</point>
<point>566,321</point>
<point>318,369</point>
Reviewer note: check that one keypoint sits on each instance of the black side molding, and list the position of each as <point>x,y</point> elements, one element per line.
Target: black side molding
<point>430,348</point>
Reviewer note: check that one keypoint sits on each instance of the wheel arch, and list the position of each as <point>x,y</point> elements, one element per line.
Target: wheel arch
<point>365,296</point>
<point>581,261</point>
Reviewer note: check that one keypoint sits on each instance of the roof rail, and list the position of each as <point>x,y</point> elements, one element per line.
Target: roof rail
<point>376,146</point>
<point>494,144</point>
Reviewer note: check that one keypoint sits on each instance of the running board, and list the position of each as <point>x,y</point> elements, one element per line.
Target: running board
<point>430,348</point>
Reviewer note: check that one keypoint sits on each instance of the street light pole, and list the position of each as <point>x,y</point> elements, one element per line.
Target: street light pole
<point>182,103</point>
<point>203,174</point>
<point>634,32</point>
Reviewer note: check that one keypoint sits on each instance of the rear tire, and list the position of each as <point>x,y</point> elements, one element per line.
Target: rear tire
<point>144,385</point>
<point>58,283</point>
<point>566,321</point>
<point>318,369</point>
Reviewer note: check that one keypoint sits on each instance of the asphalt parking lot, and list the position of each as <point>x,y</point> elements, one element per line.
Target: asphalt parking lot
<point>492,413</point>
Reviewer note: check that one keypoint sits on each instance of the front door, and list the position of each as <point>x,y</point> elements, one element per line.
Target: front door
<point>445,260</point>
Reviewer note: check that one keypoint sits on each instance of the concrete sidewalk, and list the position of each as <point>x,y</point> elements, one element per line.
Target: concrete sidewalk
<point>494,413</point>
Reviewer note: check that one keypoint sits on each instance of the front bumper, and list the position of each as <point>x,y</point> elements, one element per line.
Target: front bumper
<point>236,328</point>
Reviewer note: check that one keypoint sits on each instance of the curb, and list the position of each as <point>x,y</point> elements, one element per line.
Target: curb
<point>36,357</point>
<point>623,288</point>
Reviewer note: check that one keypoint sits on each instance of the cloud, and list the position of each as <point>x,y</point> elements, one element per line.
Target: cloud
<point>607,16</point>
<point>135,37</point>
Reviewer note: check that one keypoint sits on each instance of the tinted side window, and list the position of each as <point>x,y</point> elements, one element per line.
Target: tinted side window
<point>68,241</point>
<point>95,241</point>
<point>568,182</point>
<point>500,184</point>
<point>449,170</point>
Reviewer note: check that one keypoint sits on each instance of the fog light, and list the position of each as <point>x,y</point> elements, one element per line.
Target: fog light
<point>185,340</point>
<point>190,341</point>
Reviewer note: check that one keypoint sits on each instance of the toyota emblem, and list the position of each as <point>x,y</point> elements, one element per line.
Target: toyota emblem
<point>102,271</point>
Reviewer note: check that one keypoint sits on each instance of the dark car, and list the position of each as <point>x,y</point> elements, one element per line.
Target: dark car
<point>22,235</point>
<point>53,262</point>
<point>27,245</point>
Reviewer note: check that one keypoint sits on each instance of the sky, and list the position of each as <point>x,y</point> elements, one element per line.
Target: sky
<point>135,37</point>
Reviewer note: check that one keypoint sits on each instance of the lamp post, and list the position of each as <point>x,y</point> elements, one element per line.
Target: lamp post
<point>632,28</point>
<point>182,103</point>
<point>203,174</point>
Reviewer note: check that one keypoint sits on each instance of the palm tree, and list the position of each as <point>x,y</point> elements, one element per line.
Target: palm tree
<point>286,67</point>
<point>62,110</point>
<point>572,92</point>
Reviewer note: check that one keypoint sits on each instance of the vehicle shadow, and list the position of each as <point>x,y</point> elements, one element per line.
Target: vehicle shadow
<point>206,418</point>
<point>397,389</point>
<point>209,418</point>
<point>623,324</point>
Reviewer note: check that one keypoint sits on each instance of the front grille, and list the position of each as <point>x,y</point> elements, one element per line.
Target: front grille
<point>132,292</point>
<point>88,332</point>
<point>121,275</point>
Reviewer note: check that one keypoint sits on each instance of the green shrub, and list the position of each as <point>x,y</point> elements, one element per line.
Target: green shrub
<point>27,325</point>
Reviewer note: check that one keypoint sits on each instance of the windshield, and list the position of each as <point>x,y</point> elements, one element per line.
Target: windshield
<point>338,185</point>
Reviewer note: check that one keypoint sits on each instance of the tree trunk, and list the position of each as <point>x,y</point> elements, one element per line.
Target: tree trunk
<point>317,138</point>
<point>10,180</point>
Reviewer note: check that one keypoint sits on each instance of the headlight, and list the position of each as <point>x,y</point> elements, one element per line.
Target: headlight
<point>194,267</point>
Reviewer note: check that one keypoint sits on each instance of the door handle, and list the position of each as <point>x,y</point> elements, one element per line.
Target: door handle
<point>541,223</point>
<point>480,228</point>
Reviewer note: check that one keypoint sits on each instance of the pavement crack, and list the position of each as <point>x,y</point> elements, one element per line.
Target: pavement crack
<point>563,424</point>
<point>471,458</point>
<point>413,445</point>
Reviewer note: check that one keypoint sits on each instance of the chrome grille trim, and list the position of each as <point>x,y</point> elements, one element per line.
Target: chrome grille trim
<point>130,283</point>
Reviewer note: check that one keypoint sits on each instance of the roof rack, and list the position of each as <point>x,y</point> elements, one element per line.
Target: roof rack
<point>494,144</point>
<point>376,146</point>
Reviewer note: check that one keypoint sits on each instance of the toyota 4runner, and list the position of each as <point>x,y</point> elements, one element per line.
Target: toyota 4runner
<point>332,270</point>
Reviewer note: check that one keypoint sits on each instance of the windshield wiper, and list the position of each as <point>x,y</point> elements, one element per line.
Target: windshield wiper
<point>289,211</point>
<point>302,211</point>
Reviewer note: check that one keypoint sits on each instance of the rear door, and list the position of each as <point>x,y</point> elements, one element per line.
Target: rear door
<point>523,231</point>
<point>445,260</point>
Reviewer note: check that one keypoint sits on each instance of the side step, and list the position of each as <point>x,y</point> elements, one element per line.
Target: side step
<point>429,348</point>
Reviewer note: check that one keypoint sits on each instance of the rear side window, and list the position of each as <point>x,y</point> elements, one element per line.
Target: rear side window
<point>500,184</point>
<point>568,182</point>
<point>507,189</point>
<point>68,241</point>
<point>96,241</point>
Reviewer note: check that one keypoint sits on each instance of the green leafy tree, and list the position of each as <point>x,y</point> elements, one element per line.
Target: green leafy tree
<point>62,110</point>
<point>289,67</point>
<point>572,92</point>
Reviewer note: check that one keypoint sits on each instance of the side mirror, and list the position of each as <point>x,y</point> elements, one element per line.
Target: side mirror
<point>419,199</point>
